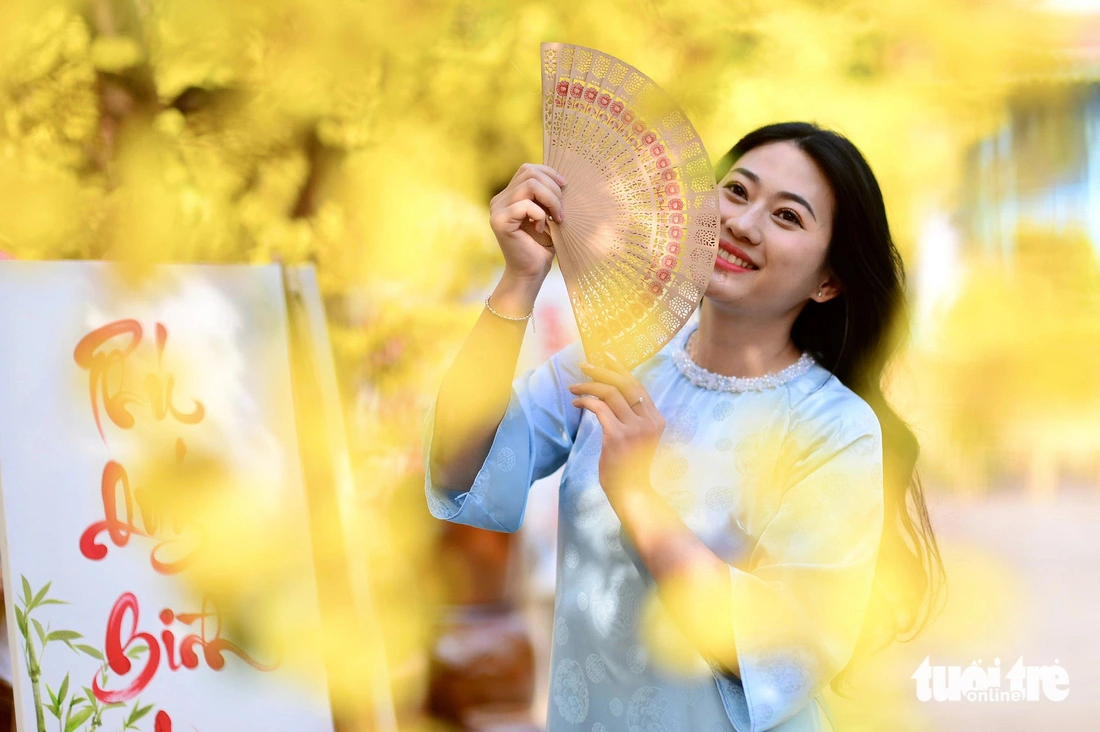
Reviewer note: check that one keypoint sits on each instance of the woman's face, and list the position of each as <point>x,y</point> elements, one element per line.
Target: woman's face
<point>776,215</point>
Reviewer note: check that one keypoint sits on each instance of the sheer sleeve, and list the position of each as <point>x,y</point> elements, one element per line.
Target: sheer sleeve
<point>799,604</point>
<point>532,441</point>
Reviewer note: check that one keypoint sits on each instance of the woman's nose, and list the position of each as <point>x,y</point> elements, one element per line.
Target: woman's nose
<point>743,224</point>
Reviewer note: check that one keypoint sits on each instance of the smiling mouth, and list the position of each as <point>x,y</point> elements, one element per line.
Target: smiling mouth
<point>732,262</point>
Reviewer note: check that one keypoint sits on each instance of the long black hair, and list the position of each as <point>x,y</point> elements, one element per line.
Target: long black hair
<point>854,335</point>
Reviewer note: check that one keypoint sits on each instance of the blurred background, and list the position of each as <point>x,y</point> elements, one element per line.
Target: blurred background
<point>367,137</point>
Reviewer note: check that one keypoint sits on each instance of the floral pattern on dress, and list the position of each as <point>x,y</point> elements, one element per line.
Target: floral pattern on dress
<point>570,691</point>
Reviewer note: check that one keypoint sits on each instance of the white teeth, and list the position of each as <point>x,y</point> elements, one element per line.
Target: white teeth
<point>736,260</point>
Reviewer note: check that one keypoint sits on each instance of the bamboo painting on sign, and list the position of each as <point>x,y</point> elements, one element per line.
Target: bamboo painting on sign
<point>147,451</point>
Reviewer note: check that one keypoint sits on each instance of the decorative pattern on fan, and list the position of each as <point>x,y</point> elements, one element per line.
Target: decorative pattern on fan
<point>640,235</point>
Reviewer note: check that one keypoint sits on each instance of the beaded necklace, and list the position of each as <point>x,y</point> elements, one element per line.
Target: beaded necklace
<point>683,356</point>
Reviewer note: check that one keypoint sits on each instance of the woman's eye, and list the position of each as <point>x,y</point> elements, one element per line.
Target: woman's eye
<point>791,216</point>
<point>736,188</point>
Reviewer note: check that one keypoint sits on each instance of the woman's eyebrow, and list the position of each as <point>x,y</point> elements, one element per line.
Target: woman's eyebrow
<point>782,194</point>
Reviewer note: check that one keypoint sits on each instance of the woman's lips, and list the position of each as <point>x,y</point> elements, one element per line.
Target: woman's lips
<point>731,252</point>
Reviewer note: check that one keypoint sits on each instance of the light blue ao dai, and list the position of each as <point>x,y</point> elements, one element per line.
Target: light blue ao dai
<point>783,482</point>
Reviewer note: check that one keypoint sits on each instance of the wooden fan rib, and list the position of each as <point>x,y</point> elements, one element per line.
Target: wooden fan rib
<point>565,54</point>
<point>549,54</point>
<point>577,75</point>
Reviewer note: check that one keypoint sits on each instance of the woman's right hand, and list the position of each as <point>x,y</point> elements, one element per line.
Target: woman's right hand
<point>518,215</point>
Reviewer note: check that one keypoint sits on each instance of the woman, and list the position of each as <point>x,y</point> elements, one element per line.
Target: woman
<point>739,518</point>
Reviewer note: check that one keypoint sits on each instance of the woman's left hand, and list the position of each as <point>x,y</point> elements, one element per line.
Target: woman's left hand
<point>632,426</point>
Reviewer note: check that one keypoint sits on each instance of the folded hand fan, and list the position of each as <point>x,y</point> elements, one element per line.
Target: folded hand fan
<point>640,235</point>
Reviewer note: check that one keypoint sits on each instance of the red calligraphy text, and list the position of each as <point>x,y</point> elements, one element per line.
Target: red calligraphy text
<point>122,636</point>
<point>104,354</point>
<point>177,545</point>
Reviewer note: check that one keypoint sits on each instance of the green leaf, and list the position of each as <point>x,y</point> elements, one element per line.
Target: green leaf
<point>90,651</point>
<point>27,594</point>
<point>51,601</point>
<point>136,651</point>
<point>137,713</point>
<point>40,630</point>
<point>64,690</point>
<point>55,706</point>
<point>90,694</point>
<point>63,635</point>
<point>41,594</point>
<point>21,621</point>
<point>113,705</point>
<point>78,719</point>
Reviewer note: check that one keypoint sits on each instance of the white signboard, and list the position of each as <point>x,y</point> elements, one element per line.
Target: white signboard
<point>124,407</point>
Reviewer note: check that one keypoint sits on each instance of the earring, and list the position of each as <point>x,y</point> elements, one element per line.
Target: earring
<point>819,293</point>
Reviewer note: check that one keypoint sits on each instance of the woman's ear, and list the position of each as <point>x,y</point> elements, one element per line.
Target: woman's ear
<point>827,289</point>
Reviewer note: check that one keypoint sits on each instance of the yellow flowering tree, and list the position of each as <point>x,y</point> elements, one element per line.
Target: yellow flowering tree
<point>367,137</point>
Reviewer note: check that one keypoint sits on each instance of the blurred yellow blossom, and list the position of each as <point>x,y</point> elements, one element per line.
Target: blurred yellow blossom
<point>367,138</point>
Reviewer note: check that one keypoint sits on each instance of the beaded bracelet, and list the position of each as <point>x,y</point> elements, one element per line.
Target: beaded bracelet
<point>509,318</point>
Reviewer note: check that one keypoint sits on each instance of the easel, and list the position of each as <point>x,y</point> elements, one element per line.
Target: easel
<point>343,578</point>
